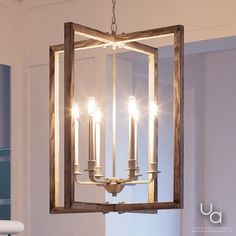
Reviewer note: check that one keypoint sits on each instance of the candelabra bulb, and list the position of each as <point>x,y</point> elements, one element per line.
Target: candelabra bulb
<point>91,105</point>
<point>75,111</point>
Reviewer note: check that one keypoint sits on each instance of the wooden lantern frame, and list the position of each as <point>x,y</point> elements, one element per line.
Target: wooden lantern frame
<point>129,41</point>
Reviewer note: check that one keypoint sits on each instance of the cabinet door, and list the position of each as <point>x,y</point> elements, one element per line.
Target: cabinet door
<point>4,142</point>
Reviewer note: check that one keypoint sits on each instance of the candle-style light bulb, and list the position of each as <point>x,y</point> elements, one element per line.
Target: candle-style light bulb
<point>153,113</point>
<point>132,105</point>
<point>133,149</point>
<point>91,112</point>
<point>97,120</point>
<point>75,111</point>
<point>154,109</point>
<point>91,106</point>
<point>136,115</point>
<point>133,111</point>
<point>75,114</point>
<point>97,116</point>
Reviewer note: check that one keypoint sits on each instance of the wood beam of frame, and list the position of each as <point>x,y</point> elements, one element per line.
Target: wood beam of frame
<point>129,41</point>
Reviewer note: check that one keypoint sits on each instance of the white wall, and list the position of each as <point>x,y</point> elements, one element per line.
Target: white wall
<point>202,19</point>
<point>220,134</point>
<point>194,144</point>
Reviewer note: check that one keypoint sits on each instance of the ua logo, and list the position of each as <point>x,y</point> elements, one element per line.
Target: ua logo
<point>215,216</point>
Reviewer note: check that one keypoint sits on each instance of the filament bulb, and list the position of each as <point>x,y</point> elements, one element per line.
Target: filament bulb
<point>91,106</point>
<point>154,109</point>
<point>97,116</point>
<point>136,114</point>
<point>133,111</point>
<point>132,105</point>
<point>75,111</point>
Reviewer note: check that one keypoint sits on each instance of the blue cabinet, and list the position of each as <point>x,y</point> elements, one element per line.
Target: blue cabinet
<point>5,153</point>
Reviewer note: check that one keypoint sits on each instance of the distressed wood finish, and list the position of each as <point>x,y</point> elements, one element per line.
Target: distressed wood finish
<point>62,210</point>
<point>68,120</point>
<point>84,44</point>
<point>54,124</point>
<point>145,206</point>
<point>91,43</point>
<point>141,48</point>
<point>155,182</point>
<point>147,34</point>
<point>178,114</point>
<point>153,96</point>
<point>52,128</point>
<point>98,39</point>
<point>101,207</point>
<point>92,33</point>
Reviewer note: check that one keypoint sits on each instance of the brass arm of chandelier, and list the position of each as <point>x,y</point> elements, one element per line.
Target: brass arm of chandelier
<point>87,182</point>
<point>95,181</point>
<point>142,181</point>
<point>127,181</point>
<point>133,180</point>
<point>93,178</point>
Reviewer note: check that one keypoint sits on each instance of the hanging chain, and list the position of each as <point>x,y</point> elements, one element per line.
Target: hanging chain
<point>113,19</point>
<point>113,31</point>
<point>113,113</point>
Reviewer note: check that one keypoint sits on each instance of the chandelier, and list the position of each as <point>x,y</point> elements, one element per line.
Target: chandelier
<point>72,168</point>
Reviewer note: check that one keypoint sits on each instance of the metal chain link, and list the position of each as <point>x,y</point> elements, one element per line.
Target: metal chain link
<point>113,19</point>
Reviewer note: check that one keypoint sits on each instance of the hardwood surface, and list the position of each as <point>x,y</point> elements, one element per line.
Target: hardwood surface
<point>68,119</point>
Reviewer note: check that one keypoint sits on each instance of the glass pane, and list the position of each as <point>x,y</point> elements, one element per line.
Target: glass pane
<point>4,142</point>
<point>5,212</point>
<point>4,106</point>
<point>4,153</point>
<point>4,180</point>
